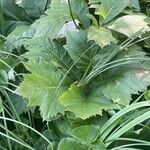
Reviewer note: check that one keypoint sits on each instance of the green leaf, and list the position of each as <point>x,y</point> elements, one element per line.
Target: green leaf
<point>19,103</point>
<point>135,4</point>
<point>101,36</point>
<point>7,61</point>
<point>111,8</point>
<point>120,88</point>
<point>13,16</point>
<point>46,49</point>
<point>70,144</point>
<point>33,8</point>
<point>147,95</point>
<point>83,105</point>
<point>16,39</point>
<point>50,25</point>
<point>130,24</point>
<point>80,11</point>
<point>98,144</point>
<point>76,47</point>
<point>40,86</point>
<point>85,134</point>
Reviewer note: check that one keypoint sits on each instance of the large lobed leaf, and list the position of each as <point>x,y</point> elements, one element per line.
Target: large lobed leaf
<point>40,87</point>
<point>119,89</point>
<point>85,105</point>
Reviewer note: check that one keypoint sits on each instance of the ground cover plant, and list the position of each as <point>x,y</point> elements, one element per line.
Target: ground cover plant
<point>74,74</point>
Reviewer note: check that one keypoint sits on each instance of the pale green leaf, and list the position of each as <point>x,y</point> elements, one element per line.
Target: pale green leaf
<point>85,105</point>
<point>40,86</point>
<point>135,4</point>
<point>70,144</point>
<point>130,24</point>
<point>101,36</point>
<point>119,89</point>
<point>16,39</point>
<point>111,8</point>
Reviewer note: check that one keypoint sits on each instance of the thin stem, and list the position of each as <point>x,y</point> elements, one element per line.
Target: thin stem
<point>71,14</point>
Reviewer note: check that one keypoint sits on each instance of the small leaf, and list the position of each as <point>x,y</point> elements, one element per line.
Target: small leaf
<point>130,24</point>
<point>101,36</point>
<point>85,106</point>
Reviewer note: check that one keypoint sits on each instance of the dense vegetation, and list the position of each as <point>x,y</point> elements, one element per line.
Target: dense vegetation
<point>74,74</point>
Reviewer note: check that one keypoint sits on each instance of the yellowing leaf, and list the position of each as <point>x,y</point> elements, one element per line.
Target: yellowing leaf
<point>101,36</point>
<point>85,106</point>
<point>130,24</point>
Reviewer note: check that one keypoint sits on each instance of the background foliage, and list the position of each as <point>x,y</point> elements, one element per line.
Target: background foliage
<point>74,74</point>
